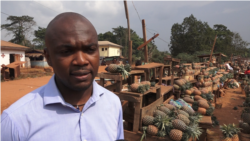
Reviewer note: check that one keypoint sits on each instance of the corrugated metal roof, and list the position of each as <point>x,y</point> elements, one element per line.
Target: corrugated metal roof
<point>12,45</point>
<point>108,43</point>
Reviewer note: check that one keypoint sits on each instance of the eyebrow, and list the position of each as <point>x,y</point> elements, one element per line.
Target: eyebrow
<point>71,46</point>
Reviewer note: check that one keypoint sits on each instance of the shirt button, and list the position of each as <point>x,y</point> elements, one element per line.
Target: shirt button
<point>85,140</point>
<point>82,115</point>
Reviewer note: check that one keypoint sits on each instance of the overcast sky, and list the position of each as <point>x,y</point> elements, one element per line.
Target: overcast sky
<point>159,16</point>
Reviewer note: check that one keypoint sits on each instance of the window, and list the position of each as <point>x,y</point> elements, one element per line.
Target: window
<point>106,49</point>
<point>102,49</point>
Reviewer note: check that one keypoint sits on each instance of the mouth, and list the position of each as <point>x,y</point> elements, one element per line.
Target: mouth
<point>81,75</point>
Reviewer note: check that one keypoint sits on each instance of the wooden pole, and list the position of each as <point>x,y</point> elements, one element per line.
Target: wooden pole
<point>149,40</point>
<point>129,40</point>
<point>212,50</point>
<point>130,52</point>
<point>145,40</point>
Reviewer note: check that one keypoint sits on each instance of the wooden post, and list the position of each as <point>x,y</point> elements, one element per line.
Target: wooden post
<point>145,40</point>
<point>212,49</point>
<point>130,53</point>
<point>129,40</point>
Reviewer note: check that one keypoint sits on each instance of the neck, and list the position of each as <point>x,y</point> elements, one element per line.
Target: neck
<point>72,96</point>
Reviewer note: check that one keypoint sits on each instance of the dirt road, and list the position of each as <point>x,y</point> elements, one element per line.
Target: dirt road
<point>11,91</point>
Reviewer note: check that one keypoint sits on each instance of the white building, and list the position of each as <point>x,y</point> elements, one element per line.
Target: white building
<point>11,52</point>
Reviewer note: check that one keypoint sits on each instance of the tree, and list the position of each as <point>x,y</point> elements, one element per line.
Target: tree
<point>19,27</point>
<point>39,39</point>
<point>239,46</point>
<point>190,36</point>
<point>119,31</point>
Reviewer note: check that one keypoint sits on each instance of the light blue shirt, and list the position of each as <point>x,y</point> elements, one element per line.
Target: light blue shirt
<point>43,115</point>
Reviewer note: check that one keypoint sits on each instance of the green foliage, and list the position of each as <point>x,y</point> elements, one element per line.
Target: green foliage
<point>19,27</point>
<point>39,39</point>
<point>193,37</point>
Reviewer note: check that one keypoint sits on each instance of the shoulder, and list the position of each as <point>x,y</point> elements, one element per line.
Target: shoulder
<point>23,103</point>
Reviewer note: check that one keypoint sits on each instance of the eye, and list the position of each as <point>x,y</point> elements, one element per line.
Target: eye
<point>92,49</point>
<point>66,51</point>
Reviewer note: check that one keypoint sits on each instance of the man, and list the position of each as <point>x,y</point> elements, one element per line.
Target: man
<point>72,106</point>
<point>228,65</point>
<point>247,72</point>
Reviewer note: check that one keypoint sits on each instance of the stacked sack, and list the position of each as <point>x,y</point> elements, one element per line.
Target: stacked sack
<point>180,123</point>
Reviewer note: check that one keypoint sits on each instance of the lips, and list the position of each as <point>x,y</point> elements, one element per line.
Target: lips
<point>81,74</point>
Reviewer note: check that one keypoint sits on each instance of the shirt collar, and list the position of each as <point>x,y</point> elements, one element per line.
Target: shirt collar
<point>52,94</point>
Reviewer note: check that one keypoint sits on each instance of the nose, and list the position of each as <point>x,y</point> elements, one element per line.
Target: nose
<point>80,59</point>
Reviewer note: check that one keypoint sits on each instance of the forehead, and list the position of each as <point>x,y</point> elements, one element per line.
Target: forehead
<point>76,31</point>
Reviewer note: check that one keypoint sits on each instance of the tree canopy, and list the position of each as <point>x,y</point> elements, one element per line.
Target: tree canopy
<point>19,27</point>
<point>192,36</point>
<point>39,39</point>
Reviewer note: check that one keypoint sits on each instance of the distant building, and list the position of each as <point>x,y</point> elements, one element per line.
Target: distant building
<point>11,52</point>
<point>37,58</point>
<point>109,49</point>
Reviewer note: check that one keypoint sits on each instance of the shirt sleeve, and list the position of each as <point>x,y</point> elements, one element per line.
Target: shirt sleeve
<point>9,131</point>
<point>120,131</point>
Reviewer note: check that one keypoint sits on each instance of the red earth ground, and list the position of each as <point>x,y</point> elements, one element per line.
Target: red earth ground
<point>11,91</point>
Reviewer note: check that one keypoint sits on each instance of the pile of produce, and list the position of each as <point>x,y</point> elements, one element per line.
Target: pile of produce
<point>188,72</point>
<point>140,87</point>
<point>230,132</point>
<point>203,107</point>
<point>179,124</point>
<point>245,123</point>
<point>196,66</point>
<point>247,93</point>
<point>182,85</point>
<point>233,84</point>
<point>124,70</point>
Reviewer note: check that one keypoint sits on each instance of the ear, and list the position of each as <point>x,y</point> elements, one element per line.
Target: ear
<point>46,54</point>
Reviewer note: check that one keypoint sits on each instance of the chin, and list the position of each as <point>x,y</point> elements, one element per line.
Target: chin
<point>82,86</point>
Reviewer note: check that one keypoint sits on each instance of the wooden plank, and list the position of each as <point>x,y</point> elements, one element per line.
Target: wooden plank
<point>110,76</point>
<point>206,122</point>
<point>136,136</point>
<point>152,89</point>
<point>167,78</point>
<point>134,72</point>
<point>102,82</point>
<point>148,66</point>
<point>145,43</point>
<point>158,93</point>
<point>137,115</point>
<point>160,77</point>
<point>129,97</point>
<point>112,87</point>
<point>164,89</point>
<point>167,101</point>
<point>154,74</point>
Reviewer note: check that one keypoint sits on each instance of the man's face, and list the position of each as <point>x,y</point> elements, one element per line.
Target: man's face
<point>74,55</point>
